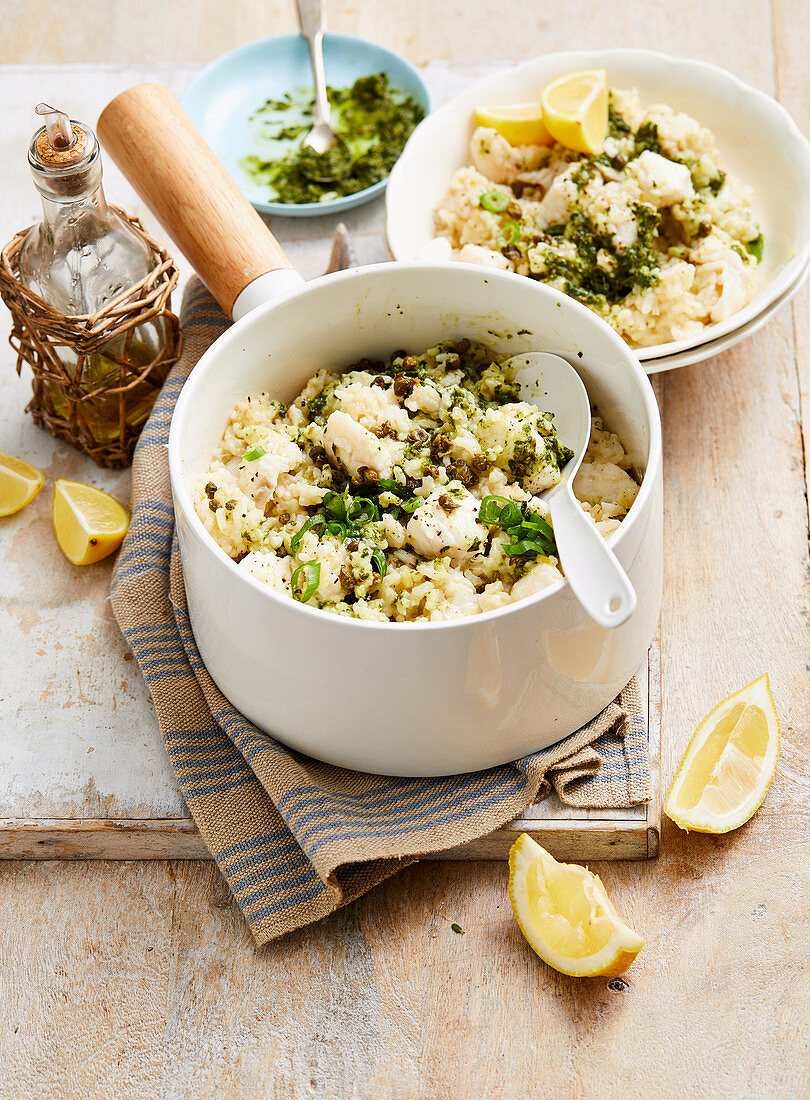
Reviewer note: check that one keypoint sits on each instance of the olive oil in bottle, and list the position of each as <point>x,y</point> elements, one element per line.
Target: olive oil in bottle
<point>82,255</point>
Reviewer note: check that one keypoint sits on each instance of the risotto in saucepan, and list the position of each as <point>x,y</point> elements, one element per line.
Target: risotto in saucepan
<point>403,490</point>
<point>650,232</point>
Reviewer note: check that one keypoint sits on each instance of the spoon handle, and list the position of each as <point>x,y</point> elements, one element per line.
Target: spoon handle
<point>312,20</point>
<point>592,569</point>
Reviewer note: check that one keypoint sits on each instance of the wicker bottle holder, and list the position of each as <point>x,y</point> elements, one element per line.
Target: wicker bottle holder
<point>39,331</point>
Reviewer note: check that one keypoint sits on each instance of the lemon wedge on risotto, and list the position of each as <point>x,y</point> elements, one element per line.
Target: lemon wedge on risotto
<point>519,124</point>
<point>89,523</point>
<point>575,109</point>
<point>728,764</point>
<point>19,484</point>
<point>565,914</point>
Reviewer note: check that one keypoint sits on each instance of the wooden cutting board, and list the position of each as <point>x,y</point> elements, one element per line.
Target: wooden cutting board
<point>83,772</point>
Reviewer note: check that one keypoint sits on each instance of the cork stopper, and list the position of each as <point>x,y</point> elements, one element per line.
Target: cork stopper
<point>63,155</point>
<point>61,143</point>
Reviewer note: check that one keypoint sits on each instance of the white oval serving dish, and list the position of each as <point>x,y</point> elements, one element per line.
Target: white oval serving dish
<point>758,140</point>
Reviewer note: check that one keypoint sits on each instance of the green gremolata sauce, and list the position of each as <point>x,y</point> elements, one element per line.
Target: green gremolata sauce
<point>372,123</point>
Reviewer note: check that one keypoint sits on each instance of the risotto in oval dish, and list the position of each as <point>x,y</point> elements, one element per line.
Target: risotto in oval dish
<point>650,232</point>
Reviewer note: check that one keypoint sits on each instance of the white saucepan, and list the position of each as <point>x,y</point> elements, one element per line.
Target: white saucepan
<point>395,698</point>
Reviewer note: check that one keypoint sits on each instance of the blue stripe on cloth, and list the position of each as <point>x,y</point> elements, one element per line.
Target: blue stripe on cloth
<point>218,788</point>
<point>423,794</point>
<point>399,830</point>
<point>259,858</point>
<point>287,903</point>
<point>248,895</point>
<point>247,845</point>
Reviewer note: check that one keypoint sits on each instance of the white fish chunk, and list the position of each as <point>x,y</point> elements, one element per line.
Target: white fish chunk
<point>354,447</point>
<point>434,530</point>
<point>662,181</point>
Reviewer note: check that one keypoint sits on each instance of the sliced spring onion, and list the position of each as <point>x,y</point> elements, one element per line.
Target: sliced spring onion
<point>500,510</point>
<point>412,504</point>
<point>379,563</point>
<point>555,230</point>
<point>489,510</point>
<point>388,485</point>
<point>251,456</point>
<point>306,589</point>
<point>335,505</point>
<point>527,546</point>
<point>507,235</point>
<point>494,201</point>
<point>755,247</point>
<point>363,510</point>
<point>528,532</point>
<point>295,541</point>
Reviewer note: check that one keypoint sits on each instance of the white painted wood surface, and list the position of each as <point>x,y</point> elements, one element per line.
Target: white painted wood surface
<point>84,760</point>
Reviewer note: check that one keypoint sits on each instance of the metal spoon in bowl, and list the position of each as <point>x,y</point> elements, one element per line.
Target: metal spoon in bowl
<point>597,579</point>
<point>312,20</point>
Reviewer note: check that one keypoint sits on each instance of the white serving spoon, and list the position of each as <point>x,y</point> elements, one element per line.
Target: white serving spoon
<point>312,20</point>
<point>597,579</point>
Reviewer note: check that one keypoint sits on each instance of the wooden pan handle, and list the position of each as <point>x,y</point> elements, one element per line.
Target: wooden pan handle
<point>154,143</point>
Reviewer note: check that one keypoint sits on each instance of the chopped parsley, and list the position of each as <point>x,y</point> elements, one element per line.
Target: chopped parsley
<point>584,257</point>
<point>600,271</point>
<point>372,122</point>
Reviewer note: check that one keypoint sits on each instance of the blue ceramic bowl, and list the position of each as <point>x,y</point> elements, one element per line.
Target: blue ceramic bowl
<point>222,98</point>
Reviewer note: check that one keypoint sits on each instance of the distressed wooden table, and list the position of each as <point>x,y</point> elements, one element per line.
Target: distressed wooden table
<point>139,979</point>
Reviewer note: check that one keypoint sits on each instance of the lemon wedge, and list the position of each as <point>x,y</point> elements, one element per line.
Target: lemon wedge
<point>89,523</point>
<point>728,764</point>
<point>520,124</point>
<point>575,109</point>
<point>565,914</point>
<point>19,484</point>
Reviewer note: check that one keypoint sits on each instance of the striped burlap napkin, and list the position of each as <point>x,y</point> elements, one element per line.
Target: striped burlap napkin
<point>296,838</point>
